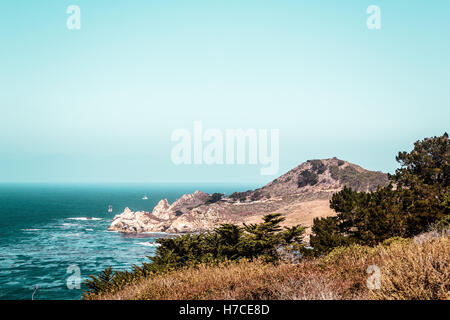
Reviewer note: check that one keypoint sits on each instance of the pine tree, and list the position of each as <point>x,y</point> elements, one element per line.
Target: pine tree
<point>420,198</point>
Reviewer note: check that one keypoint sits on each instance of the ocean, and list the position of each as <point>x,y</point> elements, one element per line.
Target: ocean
<point>51,233</point>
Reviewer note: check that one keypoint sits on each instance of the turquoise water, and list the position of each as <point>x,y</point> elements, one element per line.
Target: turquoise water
<point>45,229</point>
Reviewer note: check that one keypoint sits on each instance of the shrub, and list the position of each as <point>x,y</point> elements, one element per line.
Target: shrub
<point>356,180</point>
<point>307,177</point>
<point>257,195</point>
<point>266,241</point>
<point>408,271</point>
<point>317,166</point>
<point>441,225</point>
<point>241,196</point>
<point>421,199</point>
<point>416,271</point>
<point>395,240</point>
<point>214,198</point>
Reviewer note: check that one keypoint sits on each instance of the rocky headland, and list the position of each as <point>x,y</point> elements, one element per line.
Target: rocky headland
<point>301,195</point>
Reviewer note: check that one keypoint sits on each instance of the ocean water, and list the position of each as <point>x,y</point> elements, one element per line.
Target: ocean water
<point>48,233</point>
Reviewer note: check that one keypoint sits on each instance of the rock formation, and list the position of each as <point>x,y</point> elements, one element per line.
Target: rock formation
<point>301,194</point>
<point>173,218</point>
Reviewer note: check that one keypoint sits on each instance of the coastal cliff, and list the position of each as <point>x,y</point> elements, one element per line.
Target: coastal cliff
<point>301,195</point>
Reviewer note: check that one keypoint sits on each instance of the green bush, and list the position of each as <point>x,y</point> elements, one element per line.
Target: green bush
<point>420,199</point>
<point>395,240</point>
<point>214,198</point>
<point>266,241</point>
<point>442,224</point>
<point>356,180</point>
<point>241,196</point>
<point>306,178</point>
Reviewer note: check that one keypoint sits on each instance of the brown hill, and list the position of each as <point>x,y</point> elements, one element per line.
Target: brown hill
<point>318,177</point>
<point>301,194</point>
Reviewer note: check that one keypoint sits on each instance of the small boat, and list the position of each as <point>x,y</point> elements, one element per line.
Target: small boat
<point>144,198</point>
<point>110,208</point>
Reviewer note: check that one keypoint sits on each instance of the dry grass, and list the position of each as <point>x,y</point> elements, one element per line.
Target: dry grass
<point>409,270</point>
<point>245,280</point>
<point>416,271</point>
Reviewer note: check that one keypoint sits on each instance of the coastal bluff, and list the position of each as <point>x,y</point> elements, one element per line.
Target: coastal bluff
<point>163,218</point>
<point>301,195</point>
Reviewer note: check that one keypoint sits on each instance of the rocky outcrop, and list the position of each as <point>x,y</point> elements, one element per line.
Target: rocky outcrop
<point>174,218</point>
<point>301,194</point>
<point>189,201</point>
<point>134,222</point>
<point>161,211</point>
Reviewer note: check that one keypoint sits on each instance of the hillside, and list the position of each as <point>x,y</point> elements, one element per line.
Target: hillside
<point>392,243</point>
<point>328,175</point>
<point>301,194</point>
<point>411,269</point>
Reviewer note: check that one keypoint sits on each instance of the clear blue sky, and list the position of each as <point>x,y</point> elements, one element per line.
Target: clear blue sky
<point>99,104</point>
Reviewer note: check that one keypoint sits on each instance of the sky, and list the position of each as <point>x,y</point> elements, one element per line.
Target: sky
<point>100,104</point>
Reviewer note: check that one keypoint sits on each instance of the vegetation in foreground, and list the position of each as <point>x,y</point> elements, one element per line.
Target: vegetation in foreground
<point>410,269</point>
<point>418,195</point>
<point>265,241</point>
<point>250,262</point>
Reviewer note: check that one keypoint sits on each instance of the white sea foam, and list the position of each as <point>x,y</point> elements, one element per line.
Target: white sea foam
<point>31,229</point>
<point>149,244</point>
<point>71,234</point>
<point>84,218</point>
<point>68,225</point>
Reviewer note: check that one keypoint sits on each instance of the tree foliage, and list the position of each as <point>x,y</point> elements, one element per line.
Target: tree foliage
<point>420,198</point>
<point>417,196</point>
<point>266,240</point>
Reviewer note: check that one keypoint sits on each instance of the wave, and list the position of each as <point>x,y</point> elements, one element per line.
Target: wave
<point>149,244</point>
<point>31,229</point>
<point>84,218</point>
<point>68,225</point>
<point>70,235</point>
